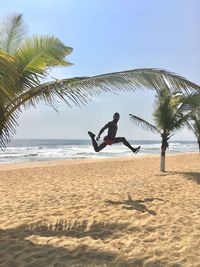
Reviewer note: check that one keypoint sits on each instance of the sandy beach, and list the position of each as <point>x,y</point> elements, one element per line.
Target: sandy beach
<point>110,212</point>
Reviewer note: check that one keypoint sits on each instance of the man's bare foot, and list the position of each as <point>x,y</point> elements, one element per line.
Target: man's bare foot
<point>136,150</point>
<point>91,134</point>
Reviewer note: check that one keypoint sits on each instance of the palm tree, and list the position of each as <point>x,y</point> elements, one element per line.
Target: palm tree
<point>168,117</point>
<point>26,61</point>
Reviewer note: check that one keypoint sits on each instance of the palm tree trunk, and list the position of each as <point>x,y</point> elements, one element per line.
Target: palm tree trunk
<point>164,146</point>
<point>199,145</point>
<point>162,160</point>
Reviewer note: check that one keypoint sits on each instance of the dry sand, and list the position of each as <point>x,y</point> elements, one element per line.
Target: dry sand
<point>82,213</point>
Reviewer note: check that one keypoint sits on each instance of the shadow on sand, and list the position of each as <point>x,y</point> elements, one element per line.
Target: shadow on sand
<point>193,176</point>
<point>17,250</point>
<point>97,230</point>
<point>137,205</point>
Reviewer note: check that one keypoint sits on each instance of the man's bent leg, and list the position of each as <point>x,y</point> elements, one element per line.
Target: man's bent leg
<point>126,143</point>
<point>94,143</point>
<point>101,146</point>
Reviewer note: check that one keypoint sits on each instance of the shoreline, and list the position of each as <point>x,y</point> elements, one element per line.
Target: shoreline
<point>46,163</point>
<point>49,150</point>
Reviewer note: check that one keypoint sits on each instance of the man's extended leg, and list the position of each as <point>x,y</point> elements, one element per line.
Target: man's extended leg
<point>126,143</point>
<point>95,145</point>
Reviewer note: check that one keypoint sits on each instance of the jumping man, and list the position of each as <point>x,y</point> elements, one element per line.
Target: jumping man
<point>110,138</point>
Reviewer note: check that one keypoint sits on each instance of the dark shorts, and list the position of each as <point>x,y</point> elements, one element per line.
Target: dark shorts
<point>109,141</point>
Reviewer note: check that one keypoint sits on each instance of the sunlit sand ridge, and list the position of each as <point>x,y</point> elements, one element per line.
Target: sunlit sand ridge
<point>86,213</point>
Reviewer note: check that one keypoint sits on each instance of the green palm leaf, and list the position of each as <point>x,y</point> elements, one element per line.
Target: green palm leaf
<point>12,31</point>
<point>193,122</point>
<point>190,102</point>
<point>36,56</point>
<point>196,127</point>
<point>7,79</point>
<point>144,124</point>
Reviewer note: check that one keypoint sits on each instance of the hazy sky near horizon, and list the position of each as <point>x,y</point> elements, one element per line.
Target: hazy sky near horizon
<point>109,36</point>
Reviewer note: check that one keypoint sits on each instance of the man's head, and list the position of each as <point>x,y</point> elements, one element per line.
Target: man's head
<point>116,116</point>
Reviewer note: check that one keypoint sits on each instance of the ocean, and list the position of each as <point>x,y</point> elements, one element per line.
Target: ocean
<point>46,149</point>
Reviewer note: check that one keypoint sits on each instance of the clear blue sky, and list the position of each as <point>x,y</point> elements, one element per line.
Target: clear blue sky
<point>109,36</point>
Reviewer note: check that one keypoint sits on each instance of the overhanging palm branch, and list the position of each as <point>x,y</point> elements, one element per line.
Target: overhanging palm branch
<point>80,89</point>
<point>129,80</point>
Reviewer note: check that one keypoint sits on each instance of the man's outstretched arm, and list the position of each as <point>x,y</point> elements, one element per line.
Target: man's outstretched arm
<point>101,131</point>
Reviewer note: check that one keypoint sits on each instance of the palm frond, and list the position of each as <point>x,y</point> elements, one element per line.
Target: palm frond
<point>163,113</point>
<point>12,31</point>
<point>190,126</point>
<point>196,127</point>
<point>8,76</point>
<point>7,126</point>
<point>32,97</point>
<point>144,124</point>
<point>42,52</point>
<point>190,102</point>
<point>36,56</point>
<point>180,121</point>
<point>50,95</point>
<point>130,80</point>
<point>193,123</point>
